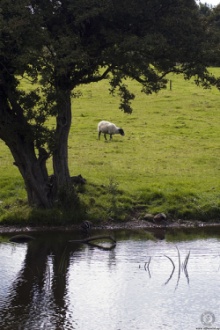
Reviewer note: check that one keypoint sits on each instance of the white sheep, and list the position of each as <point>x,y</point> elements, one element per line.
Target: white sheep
<point>106,127</point>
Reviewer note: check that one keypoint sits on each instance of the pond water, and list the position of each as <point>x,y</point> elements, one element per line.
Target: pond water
<point>51,283</point>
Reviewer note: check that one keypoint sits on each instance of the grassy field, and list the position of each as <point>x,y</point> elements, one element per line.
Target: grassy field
<point>168,161</point>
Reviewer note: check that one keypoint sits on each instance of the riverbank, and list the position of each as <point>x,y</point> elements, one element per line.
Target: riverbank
<point>129,225</point>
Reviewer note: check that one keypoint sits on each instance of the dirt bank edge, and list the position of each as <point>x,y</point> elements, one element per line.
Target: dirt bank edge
<point>130,225</point>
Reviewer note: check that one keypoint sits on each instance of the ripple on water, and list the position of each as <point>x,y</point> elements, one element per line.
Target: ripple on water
<point>134,286</point>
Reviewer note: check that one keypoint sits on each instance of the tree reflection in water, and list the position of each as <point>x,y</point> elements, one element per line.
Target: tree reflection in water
<point>40,287</point>
<point>62,284</point>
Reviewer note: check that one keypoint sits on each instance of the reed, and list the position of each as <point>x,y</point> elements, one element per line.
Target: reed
<point>171,275</point>
<point>186,261</point>
<point>179,268</point>
<point>185,266</point>
<point>147,266</point>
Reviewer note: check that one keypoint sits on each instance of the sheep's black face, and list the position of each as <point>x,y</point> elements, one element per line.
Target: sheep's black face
<point>121,131</point>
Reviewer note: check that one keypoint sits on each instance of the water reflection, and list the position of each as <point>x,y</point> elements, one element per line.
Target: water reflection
<point>37,296</point>
<point>40,284</point>
<point>141,284</point>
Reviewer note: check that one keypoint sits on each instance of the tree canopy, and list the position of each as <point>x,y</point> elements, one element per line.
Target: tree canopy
<point>211,21</point>
<point>59,45</point>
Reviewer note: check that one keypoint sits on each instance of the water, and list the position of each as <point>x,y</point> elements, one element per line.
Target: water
<point>50,283</point>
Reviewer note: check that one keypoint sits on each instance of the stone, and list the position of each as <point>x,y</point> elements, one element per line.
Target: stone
<point>148,217</point>
<point>160,218</point>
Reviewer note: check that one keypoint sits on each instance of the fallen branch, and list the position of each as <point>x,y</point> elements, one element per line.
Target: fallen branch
<point>89,240</point>
<point>93,238</point>
<point>101,247</point>
<point>21,238</point>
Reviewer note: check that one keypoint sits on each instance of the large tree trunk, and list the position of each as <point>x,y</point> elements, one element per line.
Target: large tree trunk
<point>60,153</point>
<point>17,135</point>
<point>66,193</point>
<point>15,131</point>
<point>34,173</point>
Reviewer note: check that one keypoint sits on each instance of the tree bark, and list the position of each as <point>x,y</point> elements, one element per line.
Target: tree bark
<point>17,133</point>
<point>18,136</point>
<point>65,191</point>
<point>34,173</point>
<point>60,153</point>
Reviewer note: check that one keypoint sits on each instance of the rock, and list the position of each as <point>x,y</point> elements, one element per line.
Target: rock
<point>78,180</point>
<point>160,218</point>
<point>148,217</point>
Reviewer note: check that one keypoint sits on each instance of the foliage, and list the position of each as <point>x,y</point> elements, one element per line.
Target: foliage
<point>211,21</point>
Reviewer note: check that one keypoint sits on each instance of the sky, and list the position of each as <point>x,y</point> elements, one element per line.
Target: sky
<point>210,2</point>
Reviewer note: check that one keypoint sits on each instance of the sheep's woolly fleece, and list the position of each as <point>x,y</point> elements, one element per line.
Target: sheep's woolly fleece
<point>107,127</point>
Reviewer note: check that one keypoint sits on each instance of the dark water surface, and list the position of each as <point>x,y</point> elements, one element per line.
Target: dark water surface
<point>50,283</point>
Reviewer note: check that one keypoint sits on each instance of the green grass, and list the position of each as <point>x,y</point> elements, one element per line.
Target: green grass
<point>168,161</point>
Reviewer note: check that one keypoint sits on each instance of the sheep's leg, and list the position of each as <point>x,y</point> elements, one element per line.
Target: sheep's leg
<point>110,136</point>
<point>105,136</point>
<point>99,135</point>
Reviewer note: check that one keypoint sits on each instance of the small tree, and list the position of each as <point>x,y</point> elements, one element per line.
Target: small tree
<point>59,45</point>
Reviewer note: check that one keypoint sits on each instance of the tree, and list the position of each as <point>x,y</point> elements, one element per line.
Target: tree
<point>59,45</point>
<point>211,21</point>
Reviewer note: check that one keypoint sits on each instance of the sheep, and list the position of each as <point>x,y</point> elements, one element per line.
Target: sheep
<point>106,127</point>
